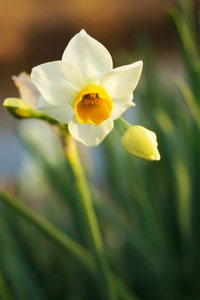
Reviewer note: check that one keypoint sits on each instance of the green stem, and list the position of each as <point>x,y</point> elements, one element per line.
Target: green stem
<point>94,240</point>
<point>121,125</point>
<point>63,241</point>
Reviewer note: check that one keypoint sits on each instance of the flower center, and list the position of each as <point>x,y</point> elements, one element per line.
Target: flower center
<point>92,105</point>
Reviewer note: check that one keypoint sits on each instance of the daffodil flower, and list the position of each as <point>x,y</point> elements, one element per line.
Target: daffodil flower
<point>84,91</point>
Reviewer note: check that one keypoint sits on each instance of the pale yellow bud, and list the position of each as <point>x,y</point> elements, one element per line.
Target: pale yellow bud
<point>18,108</point>
<point>141,142</point>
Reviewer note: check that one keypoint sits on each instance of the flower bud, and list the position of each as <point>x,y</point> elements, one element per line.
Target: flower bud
<point>17,108</point>
<point>141,142</point>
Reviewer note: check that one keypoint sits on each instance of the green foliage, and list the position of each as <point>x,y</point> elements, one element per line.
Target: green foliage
<point>148,211</point>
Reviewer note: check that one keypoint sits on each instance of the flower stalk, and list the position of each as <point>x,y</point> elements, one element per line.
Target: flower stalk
<point>94,240</point>
<point>122,126</point>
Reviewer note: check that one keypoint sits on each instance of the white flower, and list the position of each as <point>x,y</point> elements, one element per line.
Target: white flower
<point>84,91</point>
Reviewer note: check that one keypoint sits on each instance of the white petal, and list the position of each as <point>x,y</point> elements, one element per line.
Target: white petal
<point>88,134</point>
<point>62,113</point>
<point>120,106</point>
<point>59,82</point>
<point>121,82</point>
<point>89,56</point>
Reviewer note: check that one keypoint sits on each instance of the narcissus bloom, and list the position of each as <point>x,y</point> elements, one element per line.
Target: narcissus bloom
<point>84,91</point>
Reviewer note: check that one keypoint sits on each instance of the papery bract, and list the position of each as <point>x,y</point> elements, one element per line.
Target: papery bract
<point>27,89</point>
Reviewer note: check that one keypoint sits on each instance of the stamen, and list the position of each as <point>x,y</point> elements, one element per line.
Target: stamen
<point>92,105</point>
<point>92,98</point>
<point>86,101</point>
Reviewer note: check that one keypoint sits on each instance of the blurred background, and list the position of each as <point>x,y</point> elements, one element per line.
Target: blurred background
<point>34,32</point>
<point>148,211</point>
